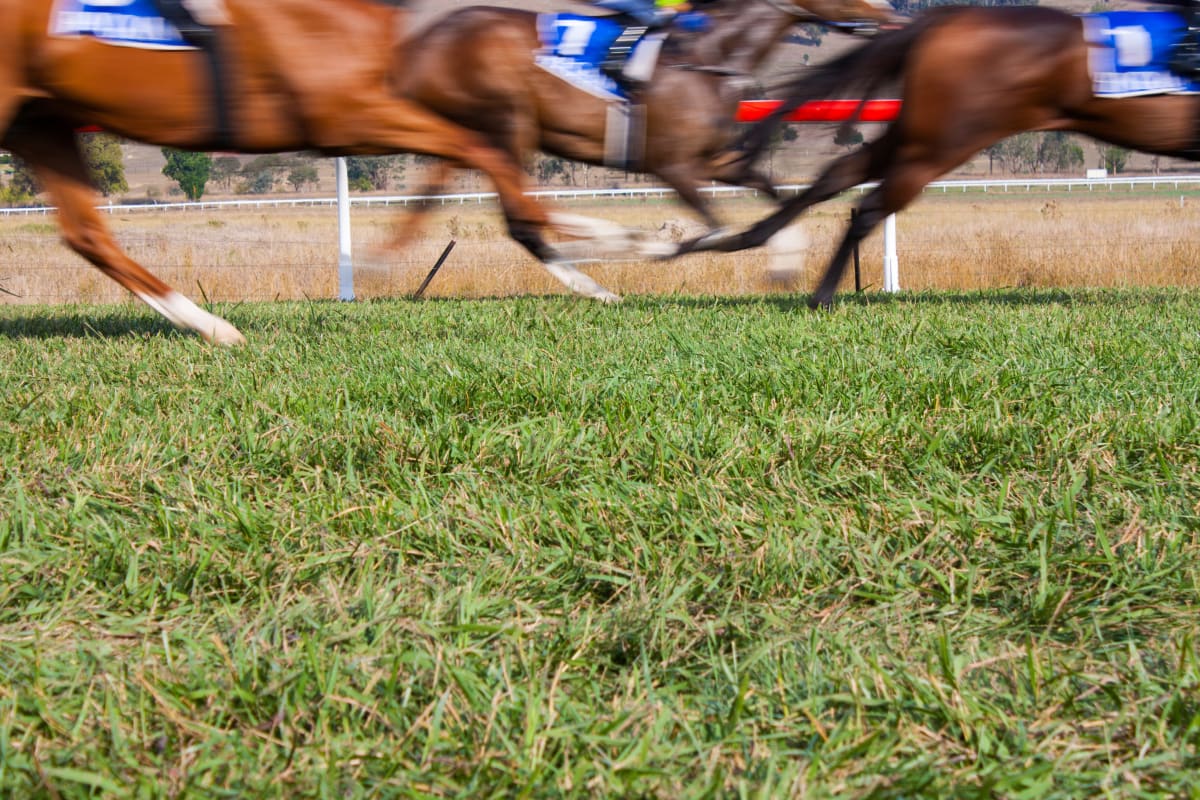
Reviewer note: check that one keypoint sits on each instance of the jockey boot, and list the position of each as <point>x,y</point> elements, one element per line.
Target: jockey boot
<point>614,62</point>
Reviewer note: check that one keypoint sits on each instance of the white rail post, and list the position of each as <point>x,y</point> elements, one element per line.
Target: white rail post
<point>891,263</point>
<point>345,262</point>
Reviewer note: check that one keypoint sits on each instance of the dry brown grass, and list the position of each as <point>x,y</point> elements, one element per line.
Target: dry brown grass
<point>953,242</point>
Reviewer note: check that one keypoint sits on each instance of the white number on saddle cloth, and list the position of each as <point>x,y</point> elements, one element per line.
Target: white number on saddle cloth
<point>575,36</point>
<point>128,23</point>
<point>1132,43</point>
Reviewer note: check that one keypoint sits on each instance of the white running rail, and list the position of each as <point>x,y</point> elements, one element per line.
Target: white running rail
<point>1151,183</point>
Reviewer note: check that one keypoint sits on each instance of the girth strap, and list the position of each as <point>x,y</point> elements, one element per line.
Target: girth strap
<point>206,39</point>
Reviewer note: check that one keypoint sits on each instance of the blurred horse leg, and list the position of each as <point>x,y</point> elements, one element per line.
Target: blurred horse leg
<point>393,125</point>
<point>50,148</point>
<point>685,180</point>
<point>865,164</point>
<point>408,224</point>
<point>748,178</point>
<point>902,183</point>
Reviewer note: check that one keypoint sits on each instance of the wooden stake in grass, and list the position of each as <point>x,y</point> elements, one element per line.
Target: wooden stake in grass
<point>441,260</point>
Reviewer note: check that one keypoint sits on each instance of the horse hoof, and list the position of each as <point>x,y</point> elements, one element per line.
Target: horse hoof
<point>189,316</point>
<point>820,303</point>
<point>225,335</point>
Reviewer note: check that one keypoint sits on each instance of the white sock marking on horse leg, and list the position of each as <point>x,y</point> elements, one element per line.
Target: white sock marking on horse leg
<point>589,227</point>
<point>608,239</point>
<point>579,283</point>
<point>186,314</point>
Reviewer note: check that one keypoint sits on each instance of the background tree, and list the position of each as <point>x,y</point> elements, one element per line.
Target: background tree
<point>189,170</point>
<point>1113,158</point>
<point>260,175</point>
<point>302,175</point>
<point>847,136</point>
<point>547,168</point>
<point>105,162</point>
<point>373,173</point>
<point>224,170</point>
<point>22,185</point>
<point>1058,152</point>
<point>1036,152</point>
<point>994,153</point>
<point>1019,153</point>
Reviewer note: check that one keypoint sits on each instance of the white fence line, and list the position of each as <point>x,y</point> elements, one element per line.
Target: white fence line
<point>643,193</point>
<point>891,263</point>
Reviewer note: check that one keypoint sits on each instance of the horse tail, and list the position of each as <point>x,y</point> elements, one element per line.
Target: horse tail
<point>860,73</point>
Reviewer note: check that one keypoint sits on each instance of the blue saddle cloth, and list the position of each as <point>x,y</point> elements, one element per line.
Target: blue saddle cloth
<point>1130,52</point>
<point>573,48</point>
<point>132,23</point>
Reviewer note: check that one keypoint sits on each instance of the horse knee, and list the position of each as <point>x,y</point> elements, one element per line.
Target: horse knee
<point>88,240</point>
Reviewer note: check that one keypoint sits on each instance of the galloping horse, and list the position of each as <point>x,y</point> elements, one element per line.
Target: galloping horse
<point>969,77</point>
<point>303,74</point>
<point>479,67</point>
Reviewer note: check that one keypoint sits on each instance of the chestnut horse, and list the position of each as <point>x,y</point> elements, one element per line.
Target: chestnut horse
<point>969,77</point>
<point>303,74</point>
<point>478,67</point>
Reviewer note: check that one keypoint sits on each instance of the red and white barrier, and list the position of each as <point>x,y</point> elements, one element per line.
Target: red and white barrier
<point>841,111</point>
<point>822,110</point>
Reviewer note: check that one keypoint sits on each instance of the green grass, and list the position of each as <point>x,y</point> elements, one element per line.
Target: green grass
<point>928,546</point>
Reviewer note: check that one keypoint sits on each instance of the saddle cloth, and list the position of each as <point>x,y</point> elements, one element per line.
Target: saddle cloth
<point>130,23</point>
<point>573,48</point>
<point>1129,52</point>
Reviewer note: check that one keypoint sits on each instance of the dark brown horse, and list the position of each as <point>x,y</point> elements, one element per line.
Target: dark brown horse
<point>303,74</point>
<point>479,67</point>
<point>968,77</point>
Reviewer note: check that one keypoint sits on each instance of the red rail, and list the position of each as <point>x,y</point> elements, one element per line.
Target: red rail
<point>822,110</point>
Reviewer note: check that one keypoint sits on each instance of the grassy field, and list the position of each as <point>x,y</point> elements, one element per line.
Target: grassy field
<point>931,545</point>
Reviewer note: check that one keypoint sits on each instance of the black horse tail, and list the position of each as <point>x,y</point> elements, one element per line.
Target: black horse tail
<point>859,73</point>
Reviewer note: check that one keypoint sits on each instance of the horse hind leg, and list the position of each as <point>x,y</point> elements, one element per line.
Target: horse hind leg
<point>900,187</point>
<point>406,127</point>
<point>408,224</point>
<point>409,127</point>
<point>53,154</point>
<point>844,173</point>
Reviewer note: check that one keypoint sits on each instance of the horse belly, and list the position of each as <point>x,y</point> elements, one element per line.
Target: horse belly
<point>108,86</point>
<point>111,86</point>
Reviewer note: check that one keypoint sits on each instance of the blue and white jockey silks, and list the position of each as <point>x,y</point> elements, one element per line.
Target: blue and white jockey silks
<point>130,23</point>
<point>574,46</point>
<point>1129,53</point>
